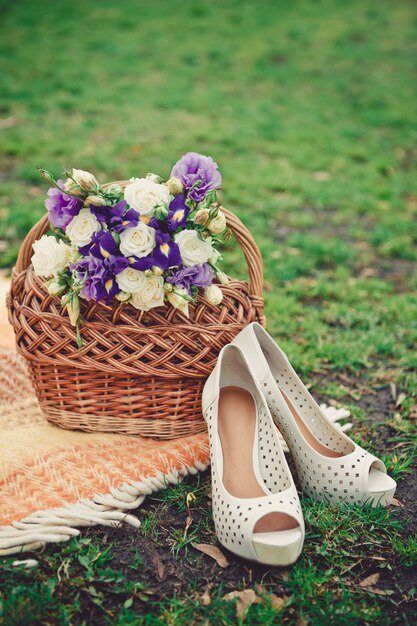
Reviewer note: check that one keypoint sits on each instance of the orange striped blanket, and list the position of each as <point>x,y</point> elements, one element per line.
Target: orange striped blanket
<point>54,481</point>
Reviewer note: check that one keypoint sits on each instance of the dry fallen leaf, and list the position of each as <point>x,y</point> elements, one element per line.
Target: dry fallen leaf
<point>413,412</point>
<point>276,602</point>
<point>284,574</point>
<point>212,551</point>
<point>245,599</point>
<point>188,523</point>
<point>378,592</point>
<point>396,502</point>
<point>205,598</point>
<point>400,399</point>
<point>370,580</point>
<point>159,566</point>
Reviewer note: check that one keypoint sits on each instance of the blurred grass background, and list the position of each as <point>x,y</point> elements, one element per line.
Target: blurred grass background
<point>308,107</point>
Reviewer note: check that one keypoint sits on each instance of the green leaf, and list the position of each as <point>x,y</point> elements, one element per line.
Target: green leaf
<point>116,237</point>
<point>79,338</point>
<point>84,561</point>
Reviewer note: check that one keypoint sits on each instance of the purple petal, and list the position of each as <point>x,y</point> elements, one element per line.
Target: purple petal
<point>193,167</point>
<point>61,207</point>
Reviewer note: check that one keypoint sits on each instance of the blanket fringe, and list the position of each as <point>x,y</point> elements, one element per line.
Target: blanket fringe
<point>110,509</point>
<point>60,524</point>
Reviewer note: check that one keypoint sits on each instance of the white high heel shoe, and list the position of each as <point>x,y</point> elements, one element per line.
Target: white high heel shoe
<point>256,509</point>
<point>329,464</point>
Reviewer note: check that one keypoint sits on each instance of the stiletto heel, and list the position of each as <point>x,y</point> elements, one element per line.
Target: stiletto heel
<point>329,464</point>
<point>256,509</point>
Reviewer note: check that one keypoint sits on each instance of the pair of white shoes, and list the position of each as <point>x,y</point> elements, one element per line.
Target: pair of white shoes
<point>256,509</point>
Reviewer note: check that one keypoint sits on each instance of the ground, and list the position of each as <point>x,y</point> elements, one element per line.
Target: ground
<point>308,108</point>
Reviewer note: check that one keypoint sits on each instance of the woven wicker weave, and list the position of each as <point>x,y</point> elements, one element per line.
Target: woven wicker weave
<point>137,372</point>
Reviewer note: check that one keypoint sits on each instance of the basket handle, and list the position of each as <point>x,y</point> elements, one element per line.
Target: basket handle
<point>251,251</point>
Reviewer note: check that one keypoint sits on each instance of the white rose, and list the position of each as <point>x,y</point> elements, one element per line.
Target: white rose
<point>217,224</point>
<point>85,180</point>
<point>213,294</point>
<point>178,300</point>
<point>193,250</point>
<point>145,195</point>
<point>138,240</point>
<point>150,295</point>
<point>51,256</point>
<point>82,227</point>
<point>131,280</point>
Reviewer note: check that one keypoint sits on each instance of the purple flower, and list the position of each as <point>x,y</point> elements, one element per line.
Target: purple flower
<point>154,223</point>
<point>178,213</point>
<point>166,252</point>
<point>101,263</point>
<point>193,167</point>
<point>141,263</point>
<point>99,279</point>
<point>198,275</point>
<point>116,217</point>
<point>101,245</point>
<point>61,207</point>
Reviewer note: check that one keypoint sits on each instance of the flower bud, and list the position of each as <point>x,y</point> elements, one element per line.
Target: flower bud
<point>123,296</point>
<point>175,186</point>
<point>215,256</point>
<point>72,188</point>
<point>217,224</point>
<point>114,190</point>
<point>85,180</point>
<point>201,217</point>
<point>157,271</point>
<point>179,300</point>
<point>95,200</point>
<point>73,308</point>
<point>154,178</point>
<point>73,255</point>
<point>161,212</point>
<point>55,289</point>
<point>47,176</point>
<point>213,294</point>
<point>222,278</point>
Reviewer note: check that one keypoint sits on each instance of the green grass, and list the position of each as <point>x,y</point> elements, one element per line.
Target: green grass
<point>308,107</point>
<point>343,545</point>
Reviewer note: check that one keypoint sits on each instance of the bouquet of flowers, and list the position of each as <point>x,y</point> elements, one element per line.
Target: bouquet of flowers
<point>147,245</point>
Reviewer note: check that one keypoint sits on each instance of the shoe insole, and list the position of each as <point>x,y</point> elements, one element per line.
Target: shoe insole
<point>379,482</point>
<point>237,427</point>
<point>307,434</point>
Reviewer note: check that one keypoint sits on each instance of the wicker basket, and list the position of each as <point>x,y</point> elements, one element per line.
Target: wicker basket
<point>138,373</point>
